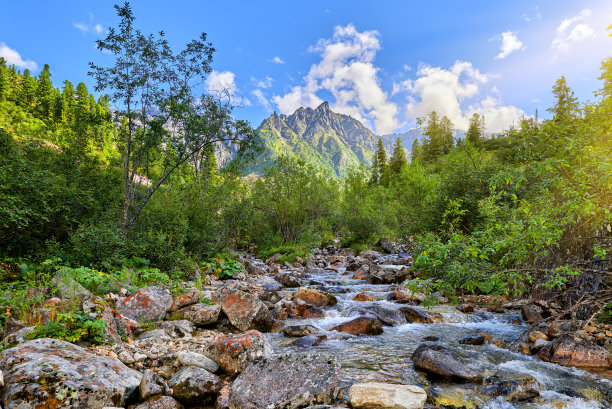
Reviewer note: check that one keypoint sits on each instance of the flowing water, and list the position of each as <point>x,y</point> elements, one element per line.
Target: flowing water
<point>386,357</point>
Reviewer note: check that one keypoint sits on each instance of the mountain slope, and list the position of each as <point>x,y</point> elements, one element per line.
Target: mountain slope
<point>329,140</point>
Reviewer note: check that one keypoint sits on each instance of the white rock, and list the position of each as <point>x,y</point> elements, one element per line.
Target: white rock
<point>139,357</point>
<point>187,358</point>
<point>386,396</point>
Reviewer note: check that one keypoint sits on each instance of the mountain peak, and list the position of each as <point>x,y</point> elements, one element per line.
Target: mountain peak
<point>324,107</point>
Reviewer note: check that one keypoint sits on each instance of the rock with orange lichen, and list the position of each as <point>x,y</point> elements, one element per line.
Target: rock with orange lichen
<point>146,304</point>
<point>244,310</point>
<point>363,297</point>
<point>234,353</point>
<point>315,297</point>
<point>568,351</point>
<point>49,373</point>
<point>192,297</point>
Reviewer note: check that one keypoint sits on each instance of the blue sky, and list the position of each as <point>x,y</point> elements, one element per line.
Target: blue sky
<point>385,63</point>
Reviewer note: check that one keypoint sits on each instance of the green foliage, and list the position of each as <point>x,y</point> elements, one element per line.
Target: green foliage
<point>224,268</point>
<point>72,327</point>
<point>606,315</point>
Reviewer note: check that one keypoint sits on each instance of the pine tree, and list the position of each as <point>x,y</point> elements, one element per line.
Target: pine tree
<point>68,101</point>
<point>398,159</point>
<point>566,107</point>
<point>28,89</point>
<point>44,94</point>
<point>416,155</point>
<point>4,80</point>
<point>476,130</point>
<point>439,132</point>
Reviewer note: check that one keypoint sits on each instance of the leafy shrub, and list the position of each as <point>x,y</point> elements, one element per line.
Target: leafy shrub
<point>72,327</point>
<point>224,268</point>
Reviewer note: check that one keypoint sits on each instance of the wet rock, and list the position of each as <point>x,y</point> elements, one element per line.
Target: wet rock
<point>315,297</point>
<point>376,395</point>
<point>288,280</point>
<point>568,351</point>
<point>431,338</point>
<point>52,373</point>
<point>286,308</point>
<point>192,297</point>
<point>539,344</point>
<point>178,328</point>
<point>149,385</point>
<point>405,296</point>
<point>274,259</point>
<point>439,362</point>
<point>146,304</point>
<point>193,385</point>
<point>535,335</point>
<point>313,312</point>
<point>360,326</point>
<point>287,382</point>
<point>387,275</point>
<point>234,353</point>
<point>532,313</point>
<point>362,274</point>
<point>522,394</point>
<point>268,283</point>
<point>310,340</point>
<point>188,358</point>
<point>473,340</point>
<point>386,316</point>
<point>370,254</point>
<point>244,310</point>
<point>300,330</point>
<point>419,316</point>
<point>200,314</point>
<point>465,307</point>
<point>160,402</point>
<point>256,269</point>
<point>364,297</point>
<point>524,349</point>
<point>386,245</point>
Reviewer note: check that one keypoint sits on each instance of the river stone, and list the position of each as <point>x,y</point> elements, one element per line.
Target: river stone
<point>376,395</point>
<point>288,280</point>
<point>160,402</point>
<point>154,336</point>
<point>234,353</point>
<point>385,315</point>
<point>315,297</point>
<point>188,358</point>
<point>386,245</point>
<point>300,330</point>
<point>146,304</point>
<point>437,361</point>
<point>364,297</point>
<point>200,314</point>
<point>287,382</point>
<point>477,339</point>
<point>568,351</point>
<point>419,316</point>
<point>268,283</point>
<point>310,340</point>
<point>192,385</point>
<point>361,325</point>
<point>532,313</point>
<point>53,373</point>
<point>244,310</point>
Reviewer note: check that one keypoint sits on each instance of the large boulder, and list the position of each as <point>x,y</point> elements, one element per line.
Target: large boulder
<point>386,245</point>
<point>361,325</point>
<point>193,385</point>
<point>420,316</point>
<point>288,280</point>
<point>300,330</point>
<point>160,402</point>
<point>234,353</point>
<point>200,314</point>
<point>192,297</point>
<point>439,362</point>
<point>268,283</point>
<point>287,382</point>
<point>532,313</point>
<point>386,316</point>
<point>49,373</point>
<point>315,297</point>
<point>188,358</point>
<point>244,310</point>
<point>568,351</point>
<point>146,304</point>
<point>387,274</point>
<point>68,288</point>
<point>386,396</point>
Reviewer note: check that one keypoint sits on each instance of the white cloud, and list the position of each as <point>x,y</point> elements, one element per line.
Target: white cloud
<point>572,31</point>
<point>526,18</point>
<point>261,99</point>
<point>400,87</point>
<point>13,57</point>
<point>265,83</point>
<point>447,91</point>
<point>509,44</point>
<point>277,60</point>
<point>346,70</point>
<point>222,84</point>
<point>91,27</point>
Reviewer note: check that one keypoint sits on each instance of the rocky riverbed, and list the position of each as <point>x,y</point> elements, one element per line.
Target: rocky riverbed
<point>336,330</point>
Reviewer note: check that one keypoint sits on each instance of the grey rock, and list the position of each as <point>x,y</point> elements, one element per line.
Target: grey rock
<point>234,353</point>
<point>154,336</point>
<point>200,314</point>
<point>287,382</point>
<point>193,385</point>
<point>146,304</point>
<point>160,402</point>
<point>244,310</point>
<point>178,328</point>
<point>52,373</point>
<point>188,358</point>
<point>300,330</point>
<point>19,336</point>
<point>149,385</point>
<point>268,283</point>
<point>439,362</point>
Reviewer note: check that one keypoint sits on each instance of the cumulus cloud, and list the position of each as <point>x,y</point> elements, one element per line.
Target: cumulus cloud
<point>346,70</point>
<point>572,31</point>
<point>265,83</point>
<point>509,44</point>
<point>277,60</point>
<point>447,91</point>
<point>12,57</point>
